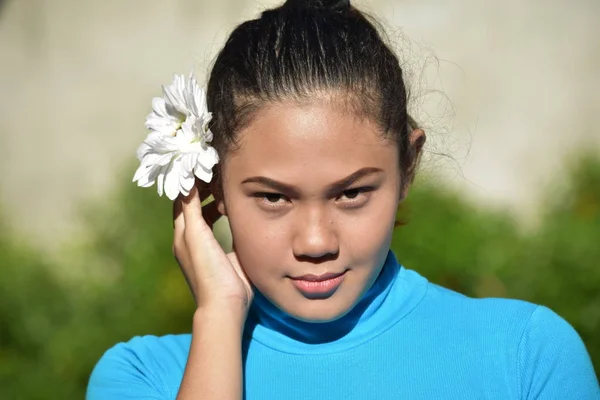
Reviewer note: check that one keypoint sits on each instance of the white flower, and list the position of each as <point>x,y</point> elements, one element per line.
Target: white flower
<point>177,146</point>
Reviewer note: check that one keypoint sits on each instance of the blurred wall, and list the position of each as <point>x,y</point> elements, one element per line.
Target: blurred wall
<point>76,79</point>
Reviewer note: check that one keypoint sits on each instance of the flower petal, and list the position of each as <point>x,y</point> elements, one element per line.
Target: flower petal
<point>143,170</point>
<point>165,126</point>
<point>187,130</point>
<point>208,157</point>
<point>142,150</point>
<point>174,95</point>
<point>159,108</point>
<point>177,148</point>
<point>203,174</point>
<point>172,179</point>
<point>200,101</point>
<point>186,182</point>
<point>149,178</point>
<point>160,181</point>
<point>189,162</point>
<point>208,135</point>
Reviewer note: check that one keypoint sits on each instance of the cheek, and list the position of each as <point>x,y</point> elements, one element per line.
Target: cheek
<point>368,234</point>
<point>261,244</point>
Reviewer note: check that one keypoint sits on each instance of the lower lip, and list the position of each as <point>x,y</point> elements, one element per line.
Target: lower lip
<point>320,288</point>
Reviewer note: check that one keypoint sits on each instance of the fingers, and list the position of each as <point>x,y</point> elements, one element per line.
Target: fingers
<point>179,249</point>
<point>191,204</point>
<point>192,209</point>
<point>198,236</point>
<point>177,212</point>
<point>210,212</point>
<point>189,208</point>
<point>179,246</point>
<point>194,245</point>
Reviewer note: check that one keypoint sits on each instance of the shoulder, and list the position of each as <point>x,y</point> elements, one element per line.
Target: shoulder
<point>553,360</point>
<point>493,313</point>
<point>444,304</point>
<point>537,346</point>
<point>145,367</point>
<point>489,325</point>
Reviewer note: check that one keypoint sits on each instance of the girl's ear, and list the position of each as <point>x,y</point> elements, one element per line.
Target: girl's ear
<point>216,188</point>
<point>416,141</point>
<point>221,207</point>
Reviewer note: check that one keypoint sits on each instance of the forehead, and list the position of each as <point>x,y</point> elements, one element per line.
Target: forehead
<point>288,136</point>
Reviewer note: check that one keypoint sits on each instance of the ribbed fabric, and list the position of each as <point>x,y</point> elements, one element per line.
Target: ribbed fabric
<point>406,339</point>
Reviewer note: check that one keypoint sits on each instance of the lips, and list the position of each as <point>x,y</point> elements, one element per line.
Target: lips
<point>318,286</point>
<point>318,278</point>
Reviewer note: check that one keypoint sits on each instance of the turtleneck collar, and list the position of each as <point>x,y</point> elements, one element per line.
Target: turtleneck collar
<point>385,303</point>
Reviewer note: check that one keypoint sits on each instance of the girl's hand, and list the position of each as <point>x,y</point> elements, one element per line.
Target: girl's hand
<point>216,279</point>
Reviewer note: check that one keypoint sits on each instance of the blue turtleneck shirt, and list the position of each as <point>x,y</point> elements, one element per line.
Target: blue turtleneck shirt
<point>406,339</point>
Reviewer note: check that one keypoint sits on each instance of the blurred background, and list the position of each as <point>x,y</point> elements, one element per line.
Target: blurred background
<point>507,203</point>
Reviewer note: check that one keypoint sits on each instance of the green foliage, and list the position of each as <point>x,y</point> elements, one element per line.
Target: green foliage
<point>53,329</point>
<point>561,258</point>
<point>33,307</point>
<point>453,243</point>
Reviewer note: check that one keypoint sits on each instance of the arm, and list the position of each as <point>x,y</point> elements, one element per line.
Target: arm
<point>151,368</point>
<point>214,367</point>
<point>223,295</point>
<point>137,370</point>
<point>553,360</point>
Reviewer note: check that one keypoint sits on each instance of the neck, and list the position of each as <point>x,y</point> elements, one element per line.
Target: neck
<point>268,316</point>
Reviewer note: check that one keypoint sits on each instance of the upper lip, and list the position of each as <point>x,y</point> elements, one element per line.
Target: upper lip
<point>318,278</point>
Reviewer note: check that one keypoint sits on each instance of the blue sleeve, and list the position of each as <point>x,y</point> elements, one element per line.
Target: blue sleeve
<point>553,361</point>
<point>124,373</point>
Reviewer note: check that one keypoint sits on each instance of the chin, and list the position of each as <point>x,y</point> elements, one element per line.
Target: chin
<point>319,311</point>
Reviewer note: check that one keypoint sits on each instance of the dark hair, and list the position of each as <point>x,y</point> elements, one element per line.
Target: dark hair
<point>306,48</point>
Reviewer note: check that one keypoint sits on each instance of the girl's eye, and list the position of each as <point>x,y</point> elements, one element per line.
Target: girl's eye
<point>272,197</point>
<point>351,194</point>
<point>270,200</point>
<point>355,197</point>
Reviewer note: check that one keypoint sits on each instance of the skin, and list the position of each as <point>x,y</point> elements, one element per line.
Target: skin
<point>309,222</point>
<point>311,190</point>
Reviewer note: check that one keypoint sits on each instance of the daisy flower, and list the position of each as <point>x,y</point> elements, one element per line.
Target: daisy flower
<point>177,148</point>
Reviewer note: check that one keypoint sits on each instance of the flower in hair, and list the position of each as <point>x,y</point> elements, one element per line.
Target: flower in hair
<point>177,148</point>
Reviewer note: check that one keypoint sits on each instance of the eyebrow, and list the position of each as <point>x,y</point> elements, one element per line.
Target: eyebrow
<point>332,188</point>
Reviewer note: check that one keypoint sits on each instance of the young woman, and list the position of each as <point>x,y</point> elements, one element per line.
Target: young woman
<point>316,152</point>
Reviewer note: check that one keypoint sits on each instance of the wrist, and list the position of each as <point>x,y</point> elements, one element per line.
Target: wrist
<point>223,315</point>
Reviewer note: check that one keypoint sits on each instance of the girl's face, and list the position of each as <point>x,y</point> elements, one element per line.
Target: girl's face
<point>311,196</point>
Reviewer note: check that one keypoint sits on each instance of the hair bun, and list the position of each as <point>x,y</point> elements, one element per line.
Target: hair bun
<point>319,4</point>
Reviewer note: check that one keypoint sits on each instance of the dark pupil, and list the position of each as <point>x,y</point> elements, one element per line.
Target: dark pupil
<point>272,198</point>
<point>351,194</point>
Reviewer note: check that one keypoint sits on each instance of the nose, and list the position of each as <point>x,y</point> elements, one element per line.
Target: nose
<point>315,236</point>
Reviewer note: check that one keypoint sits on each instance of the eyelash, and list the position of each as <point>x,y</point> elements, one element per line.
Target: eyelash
<point>261,198</point>
<point>361,195</point>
